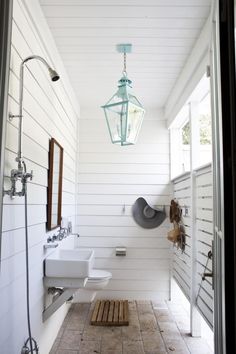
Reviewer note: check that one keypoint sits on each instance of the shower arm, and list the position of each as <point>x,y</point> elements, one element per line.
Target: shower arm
<point>19,157</point>
<point>21,172</point>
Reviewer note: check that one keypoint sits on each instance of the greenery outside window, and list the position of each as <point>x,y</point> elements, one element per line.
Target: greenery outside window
<point>196,115</point>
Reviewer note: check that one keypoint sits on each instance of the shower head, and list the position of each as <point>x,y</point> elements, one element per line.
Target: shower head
<point>53,74</point>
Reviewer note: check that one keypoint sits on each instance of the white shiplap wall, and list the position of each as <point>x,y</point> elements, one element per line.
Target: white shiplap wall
<point>45,116</point>
<point>110,179</point>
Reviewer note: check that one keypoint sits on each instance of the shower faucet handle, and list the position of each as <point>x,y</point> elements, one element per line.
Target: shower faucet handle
<point>29,175</point>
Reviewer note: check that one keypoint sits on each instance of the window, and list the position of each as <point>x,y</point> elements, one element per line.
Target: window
<point>204,121</point>
<point>185,137</point>
<point>190,132</point>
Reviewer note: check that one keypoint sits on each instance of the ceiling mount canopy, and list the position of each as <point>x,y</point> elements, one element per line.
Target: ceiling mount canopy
<point>124,113</point>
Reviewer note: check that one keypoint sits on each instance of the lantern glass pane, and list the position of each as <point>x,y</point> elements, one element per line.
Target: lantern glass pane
<point>116,117</point>
<point>135,119</point>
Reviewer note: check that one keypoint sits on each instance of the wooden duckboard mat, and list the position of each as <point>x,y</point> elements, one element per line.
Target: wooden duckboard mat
<point>110,313</point>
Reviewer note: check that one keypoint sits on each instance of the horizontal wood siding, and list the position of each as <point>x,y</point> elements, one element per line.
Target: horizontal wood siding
<point>48,112</point>
<point>181,267</point>
<point>204,235</point>
<point>110,179</point>
<point>163,33</point>
<point>204,216</point>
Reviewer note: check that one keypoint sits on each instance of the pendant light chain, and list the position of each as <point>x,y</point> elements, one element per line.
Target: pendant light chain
<point>125,72</point>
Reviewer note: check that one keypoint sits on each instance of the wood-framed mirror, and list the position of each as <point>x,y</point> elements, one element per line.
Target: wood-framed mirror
<point>54,184</point>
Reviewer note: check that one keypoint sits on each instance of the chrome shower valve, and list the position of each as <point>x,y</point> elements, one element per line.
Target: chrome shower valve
<point>15,176</point>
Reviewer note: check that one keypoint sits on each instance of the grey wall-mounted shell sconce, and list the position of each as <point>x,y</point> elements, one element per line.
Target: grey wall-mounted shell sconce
<point>146,216</point>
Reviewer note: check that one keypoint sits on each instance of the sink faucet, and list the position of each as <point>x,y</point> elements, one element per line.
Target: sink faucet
<point>50,242</point>
<point>62,233</point>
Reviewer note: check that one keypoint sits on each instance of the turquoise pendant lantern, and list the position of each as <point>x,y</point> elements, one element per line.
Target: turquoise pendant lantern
<point>124,113</point>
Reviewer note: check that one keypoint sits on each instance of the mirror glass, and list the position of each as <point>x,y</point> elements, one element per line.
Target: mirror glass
<point>54,184</point>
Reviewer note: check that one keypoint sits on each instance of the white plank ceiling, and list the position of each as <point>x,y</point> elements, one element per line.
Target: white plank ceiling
<point>162,33</point>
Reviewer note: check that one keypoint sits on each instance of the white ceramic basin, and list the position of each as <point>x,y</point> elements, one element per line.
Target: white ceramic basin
<point>69,263</point>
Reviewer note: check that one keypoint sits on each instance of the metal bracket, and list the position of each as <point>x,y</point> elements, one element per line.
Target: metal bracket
<point>69,285</point>
<point>12,116</point>
<point>186,211</point>
<point>59,301</point>
<point>205,275</point>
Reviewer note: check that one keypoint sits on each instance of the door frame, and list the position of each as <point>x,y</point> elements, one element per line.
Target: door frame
<point>228,101</point>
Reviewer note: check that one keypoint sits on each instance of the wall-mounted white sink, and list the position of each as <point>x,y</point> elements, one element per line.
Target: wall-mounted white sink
<point>69,263</point>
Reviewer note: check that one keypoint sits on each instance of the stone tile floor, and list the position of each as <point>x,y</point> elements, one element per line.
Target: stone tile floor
<point>155,328</point>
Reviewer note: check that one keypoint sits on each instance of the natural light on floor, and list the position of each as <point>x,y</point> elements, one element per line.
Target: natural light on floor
<point>179,298</point>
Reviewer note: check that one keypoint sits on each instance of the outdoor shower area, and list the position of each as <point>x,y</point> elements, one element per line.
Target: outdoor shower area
<point>104,176</point>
